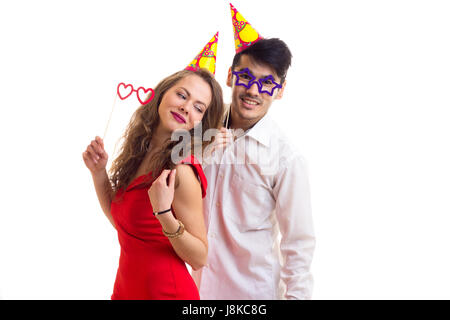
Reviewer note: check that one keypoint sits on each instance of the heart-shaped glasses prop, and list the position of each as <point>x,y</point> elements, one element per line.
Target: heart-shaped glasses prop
<point>124,91</point>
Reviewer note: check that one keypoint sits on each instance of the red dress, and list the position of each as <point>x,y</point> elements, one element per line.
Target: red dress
<point>149,268</point>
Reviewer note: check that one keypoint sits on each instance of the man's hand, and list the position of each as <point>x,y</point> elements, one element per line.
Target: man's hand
<point>222,139</point>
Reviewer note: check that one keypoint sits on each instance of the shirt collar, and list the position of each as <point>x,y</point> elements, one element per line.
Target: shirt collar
<point>260,131</point>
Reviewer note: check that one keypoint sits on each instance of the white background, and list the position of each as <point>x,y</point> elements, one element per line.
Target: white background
<point>367,104</point>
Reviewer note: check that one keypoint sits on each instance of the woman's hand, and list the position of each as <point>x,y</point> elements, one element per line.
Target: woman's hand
<point>161,193</point>
<point>95,157</point>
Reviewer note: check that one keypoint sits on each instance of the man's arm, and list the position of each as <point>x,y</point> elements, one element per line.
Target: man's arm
<point>293,211</point>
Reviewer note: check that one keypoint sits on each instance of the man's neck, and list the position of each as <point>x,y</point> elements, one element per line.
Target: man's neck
<point>235,122</point>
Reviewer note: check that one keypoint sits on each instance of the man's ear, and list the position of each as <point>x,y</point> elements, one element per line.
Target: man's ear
<point>280,92</point>
<point>229,77</point>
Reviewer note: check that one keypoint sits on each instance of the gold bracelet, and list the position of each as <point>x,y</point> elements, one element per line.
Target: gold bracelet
<point>177,233</point>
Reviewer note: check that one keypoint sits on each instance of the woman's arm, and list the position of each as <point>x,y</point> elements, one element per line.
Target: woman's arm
<point>192,245</point>
<point>104,193</point>
<point>95,159</point>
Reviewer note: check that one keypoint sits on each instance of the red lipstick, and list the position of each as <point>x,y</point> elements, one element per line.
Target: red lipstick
<point>178,117</point>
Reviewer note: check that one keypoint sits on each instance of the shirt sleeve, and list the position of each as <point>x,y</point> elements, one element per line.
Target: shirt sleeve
<point>293,212</point>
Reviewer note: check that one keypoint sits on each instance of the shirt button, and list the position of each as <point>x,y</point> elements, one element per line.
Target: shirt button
<point>218,204</point>
<point>221,175</point>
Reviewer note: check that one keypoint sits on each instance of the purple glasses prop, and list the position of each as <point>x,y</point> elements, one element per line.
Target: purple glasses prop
<point>247,79</point>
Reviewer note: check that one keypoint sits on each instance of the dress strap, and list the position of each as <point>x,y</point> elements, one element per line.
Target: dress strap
<point>195,164</point>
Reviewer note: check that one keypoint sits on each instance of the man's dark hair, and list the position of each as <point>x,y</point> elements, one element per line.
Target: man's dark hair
<point>273,52</point>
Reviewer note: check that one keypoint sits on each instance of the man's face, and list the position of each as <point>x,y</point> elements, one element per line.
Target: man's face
<point>248,104</point>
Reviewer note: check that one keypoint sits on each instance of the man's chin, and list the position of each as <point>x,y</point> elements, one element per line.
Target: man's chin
<point>250,117</point>
<point>248,114</point>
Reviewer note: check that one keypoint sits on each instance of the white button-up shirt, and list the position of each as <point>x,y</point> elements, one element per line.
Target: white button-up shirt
<point>258,194</point>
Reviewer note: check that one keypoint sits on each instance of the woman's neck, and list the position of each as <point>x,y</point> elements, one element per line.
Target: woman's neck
<point>159,137</point>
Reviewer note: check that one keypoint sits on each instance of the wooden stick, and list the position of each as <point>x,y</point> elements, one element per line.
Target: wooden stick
<point>228,117</point>
<point>110,115</point>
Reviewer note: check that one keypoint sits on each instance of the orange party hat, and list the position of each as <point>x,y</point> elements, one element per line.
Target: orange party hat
<point>244,34</point>
<point>207,57</point>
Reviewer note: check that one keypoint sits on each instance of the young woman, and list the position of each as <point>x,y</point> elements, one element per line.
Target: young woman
<point>155,204</point>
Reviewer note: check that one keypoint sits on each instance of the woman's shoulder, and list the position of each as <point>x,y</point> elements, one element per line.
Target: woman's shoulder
<point>190,171</point>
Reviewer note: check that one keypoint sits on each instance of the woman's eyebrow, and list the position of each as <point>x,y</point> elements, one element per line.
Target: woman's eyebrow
<point>189,94</point>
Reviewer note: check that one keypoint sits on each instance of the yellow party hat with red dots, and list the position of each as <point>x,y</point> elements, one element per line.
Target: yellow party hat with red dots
<point>207,57</point>
<point>244,34</point>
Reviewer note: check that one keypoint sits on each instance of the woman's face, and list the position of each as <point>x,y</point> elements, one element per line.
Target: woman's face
<point>184,105</point>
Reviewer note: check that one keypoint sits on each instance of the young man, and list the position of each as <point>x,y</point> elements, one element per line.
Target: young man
<point>258,192</point>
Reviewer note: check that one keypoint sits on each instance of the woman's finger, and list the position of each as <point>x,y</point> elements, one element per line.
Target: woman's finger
<point>100,141</point>
<point>163,176</point>
<point>95,148</point>
<point>85,156</point>
<point>99,149</point>
<point>88,159</point>
<point>92,153</point>
<point>172,178</point>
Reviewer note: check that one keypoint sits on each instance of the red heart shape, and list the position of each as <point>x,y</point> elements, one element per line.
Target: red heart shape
<point>145,91</point>
<point>121,96</point>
